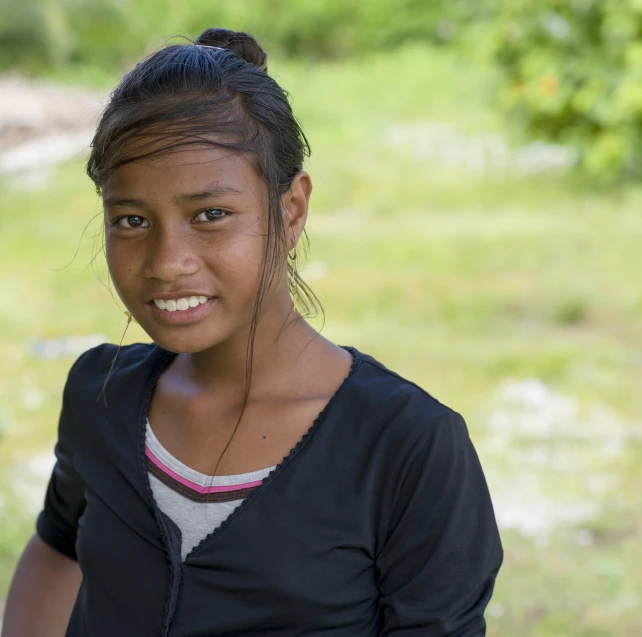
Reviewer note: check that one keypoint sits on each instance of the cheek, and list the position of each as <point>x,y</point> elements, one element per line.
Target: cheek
<point>238,260</point>
<point>110,253</point>
<point>120,262</point>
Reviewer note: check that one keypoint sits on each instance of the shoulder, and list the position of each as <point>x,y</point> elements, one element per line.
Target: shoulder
<point>417,448</point>
<point>110,362</point>
<point>401,412</point>
<point>98,360</point>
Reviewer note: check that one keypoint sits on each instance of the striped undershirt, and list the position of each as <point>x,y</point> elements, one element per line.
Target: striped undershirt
<point>197,503</point>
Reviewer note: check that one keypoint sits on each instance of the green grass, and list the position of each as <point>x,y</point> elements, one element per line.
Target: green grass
<point>454,281</point>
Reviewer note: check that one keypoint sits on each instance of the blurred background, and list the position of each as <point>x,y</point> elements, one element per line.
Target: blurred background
<point>475,225</point>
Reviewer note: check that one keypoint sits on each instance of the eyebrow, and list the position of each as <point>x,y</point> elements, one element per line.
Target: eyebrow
<point>211,192</point>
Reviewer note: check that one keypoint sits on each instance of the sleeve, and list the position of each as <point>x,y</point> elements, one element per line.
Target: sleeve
<point>437,565</point>
<point>57,523</point>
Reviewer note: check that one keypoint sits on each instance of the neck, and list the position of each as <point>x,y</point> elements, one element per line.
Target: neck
<point>280,346</point>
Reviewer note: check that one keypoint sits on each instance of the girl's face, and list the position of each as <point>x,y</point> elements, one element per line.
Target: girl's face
<point>185,241</point>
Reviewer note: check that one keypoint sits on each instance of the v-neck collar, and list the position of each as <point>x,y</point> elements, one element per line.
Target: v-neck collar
<point>161,359</point>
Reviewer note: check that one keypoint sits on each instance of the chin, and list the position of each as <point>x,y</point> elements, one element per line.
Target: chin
<point>183,344</point>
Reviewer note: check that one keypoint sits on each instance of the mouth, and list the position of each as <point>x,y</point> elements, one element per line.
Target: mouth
<point>183,310</point>
<point>182,304</point>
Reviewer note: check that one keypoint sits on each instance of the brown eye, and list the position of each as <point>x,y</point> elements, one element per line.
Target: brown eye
<point>213,214</point>
<point>131,221</point>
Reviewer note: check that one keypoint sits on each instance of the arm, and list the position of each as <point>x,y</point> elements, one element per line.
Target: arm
<point>45,584</point>
<point>42,592</point>
<point>441,551</point>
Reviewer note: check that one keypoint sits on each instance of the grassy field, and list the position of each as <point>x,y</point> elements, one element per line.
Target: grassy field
<point>514,299</point>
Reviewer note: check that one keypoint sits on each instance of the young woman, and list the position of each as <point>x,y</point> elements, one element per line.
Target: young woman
<point>241,475</point>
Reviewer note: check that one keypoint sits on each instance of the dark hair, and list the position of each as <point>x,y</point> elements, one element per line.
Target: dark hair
<point>179,96</point>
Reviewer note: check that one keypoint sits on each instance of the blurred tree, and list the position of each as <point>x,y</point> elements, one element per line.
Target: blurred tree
<point>572,72</point>
<point>112,33</point>
<point>34,35</point>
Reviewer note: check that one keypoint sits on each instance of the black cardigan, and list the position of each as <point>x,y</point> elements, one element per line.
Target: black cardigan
<point>379,521</point>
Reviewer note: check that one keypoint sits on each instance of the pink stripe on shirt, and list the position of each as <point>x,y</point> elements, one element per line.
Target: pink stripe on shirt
<point>194,485</point>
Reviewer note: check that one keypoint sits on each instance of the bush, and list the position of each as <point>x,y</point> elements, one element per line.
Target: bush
<point>42,34</point>
<point>572,72</point>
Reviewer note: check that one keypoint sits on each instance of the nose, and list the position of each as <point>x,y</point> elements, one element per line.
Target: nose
<point>170,255</point>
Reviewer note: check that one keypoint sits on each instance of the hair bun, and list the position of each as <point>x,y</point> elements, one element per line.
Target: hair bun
<point>243,44</point>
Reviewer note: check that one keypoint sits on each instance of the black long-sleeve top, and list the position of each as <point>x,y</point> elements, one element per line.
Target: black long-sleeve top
<point>379,522</point>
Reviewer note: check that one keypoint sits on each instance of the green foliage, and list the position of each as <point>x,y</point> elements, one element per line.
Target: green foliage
<point>571,69</point>
<point>572,73</point>
<point>111,33</point>
<point>33,35</point>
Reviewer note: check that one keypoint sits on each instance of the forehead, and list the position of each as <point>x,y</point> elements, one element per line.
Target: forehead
<point>185,170</point>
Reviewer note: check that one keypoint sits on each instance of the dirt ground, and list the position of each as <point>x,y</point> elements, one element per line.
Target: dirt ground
<point>43,123</point>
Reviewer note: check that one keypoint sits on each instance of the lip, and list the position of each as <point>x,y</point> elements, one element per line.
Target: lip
<point>181,317</point>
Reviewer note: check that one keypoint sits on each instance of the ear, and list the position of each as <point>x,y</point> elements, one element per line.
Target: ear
<point>295,207</point>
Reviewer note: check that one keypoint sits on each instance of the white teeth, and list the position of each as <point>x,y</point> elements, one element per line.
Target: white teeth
<point>180,304</point>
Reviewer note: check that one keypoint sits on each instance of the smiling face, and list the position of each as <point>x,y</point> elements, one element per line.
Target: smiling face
<point>185,243</point>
